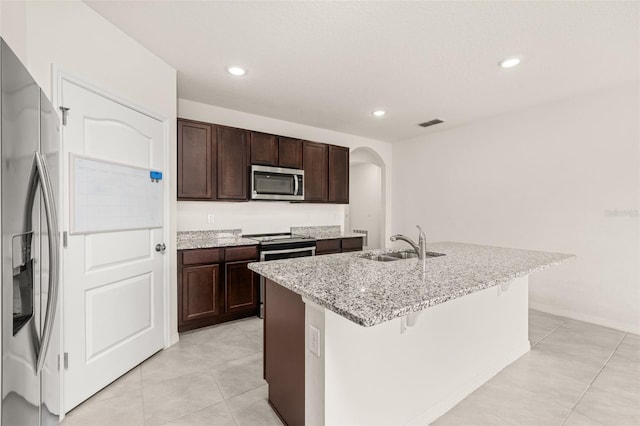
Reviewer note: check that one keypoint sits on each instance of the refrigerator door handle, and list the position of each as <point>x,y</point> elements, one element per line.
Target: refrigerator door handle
<point>40,174</point>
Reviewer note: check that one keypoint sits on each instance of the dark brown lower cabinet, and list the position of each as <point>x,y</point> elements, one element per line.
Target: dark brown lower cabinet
<point>339,245</point>
<point>328,246</point>
<point>284,352</point>
<point>215,285</point>
<point>351,244</point>
<point>200,292</point>
<point>241,287</point>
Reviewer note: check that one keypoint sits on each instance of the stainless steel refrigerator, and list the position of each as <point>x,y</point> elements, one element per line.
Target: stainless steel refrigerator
<point>30,249</point>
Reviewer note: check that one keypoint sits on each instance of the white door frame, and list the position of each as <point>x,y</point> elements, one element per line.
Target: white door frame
<point>60,75</point>
<point>372,157</point>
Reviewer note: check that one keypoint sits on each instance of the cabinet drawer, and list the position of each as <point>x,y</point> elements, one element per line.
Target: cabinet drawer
<point>241,253</point>
<point>328,246</point>
<point>202,256</point>
<point>352,244</point>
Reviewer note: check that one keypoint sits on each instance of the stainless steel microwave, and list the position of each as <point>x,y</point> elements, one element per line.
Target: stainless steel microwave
<point>276,183</point>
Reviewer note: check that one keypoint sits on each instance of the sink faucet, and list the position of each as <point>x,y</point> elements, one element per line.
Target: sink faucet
<point>420,248</point>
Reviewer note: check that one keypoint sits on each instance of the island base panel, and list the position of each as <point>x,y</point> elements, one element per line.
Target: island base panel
<point>284,352</point>
<point>380,376</point>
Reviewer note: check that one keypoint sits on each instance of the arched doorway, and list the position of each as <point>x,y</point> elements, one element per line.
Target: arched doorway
<point>367,196</point>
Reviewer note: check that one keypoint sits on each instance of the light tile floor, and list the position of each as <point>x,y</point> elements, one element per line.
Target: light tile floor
<point>576,374</point>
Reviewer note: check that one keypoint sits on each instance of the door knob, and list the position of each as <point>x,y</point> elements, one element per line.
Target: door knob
<point>161,248</point>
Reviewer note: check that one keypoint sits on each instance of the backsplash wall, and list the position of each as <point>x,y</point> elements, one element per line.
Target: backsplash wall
<point>256,216</point>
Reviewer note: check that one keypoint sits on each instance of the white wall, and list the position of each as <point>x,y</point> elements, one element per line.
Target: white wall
<point>365,201</point>
<point>262,216</point>
<point>77,40</point>
<point>256,217</point>
<point>544,178</point>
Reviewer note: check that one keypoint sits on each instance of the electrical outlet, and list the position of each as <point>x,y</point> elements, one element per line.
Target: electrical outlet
<point>314,340</point>
<point>211,218</point>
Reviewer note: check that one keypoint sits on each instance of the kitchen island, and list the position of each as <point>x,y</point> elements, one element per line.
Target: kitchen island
<point>350,340</point>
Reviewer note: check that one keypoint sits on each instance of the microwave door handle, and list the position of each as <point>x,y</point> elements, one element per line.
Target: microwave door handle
<point>52,230</point>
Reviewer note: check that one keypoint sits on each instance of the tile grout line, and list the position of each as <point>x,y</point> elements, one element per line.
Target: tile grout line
<point>594,379</point>
<point>244,392</point>
<point>144,419</point>
<point>233,417</point>
<point>198,410</point>
<point>547,335</point>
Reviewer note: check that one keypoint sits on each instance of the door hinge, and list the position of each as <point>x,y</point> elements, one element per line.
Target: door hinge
<point>65,237</point>
<point>66,360</point>
<point>65,111</point>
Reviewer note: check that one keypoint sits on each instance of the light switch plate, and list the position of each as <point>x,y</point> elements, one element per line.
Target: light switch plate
<point>314,340</point>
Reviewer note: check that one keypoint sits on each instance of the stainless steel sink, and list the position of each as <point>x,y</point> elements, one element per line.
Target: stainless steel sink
<point>399,255</point>
<point>380,257</point>
<point>403,255</point>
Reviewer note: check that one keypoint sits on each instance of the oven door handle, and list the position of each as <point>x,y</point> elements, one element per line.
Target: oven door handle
<point>298,250</point>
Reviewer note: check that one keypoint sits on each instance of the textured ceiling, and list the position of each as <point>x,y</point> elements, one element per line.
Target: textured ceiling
<point>329,64</point>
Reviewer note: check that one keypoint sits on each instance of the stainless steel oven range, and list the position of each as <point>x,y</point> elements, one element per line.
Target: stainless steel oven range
<point>281,246</point>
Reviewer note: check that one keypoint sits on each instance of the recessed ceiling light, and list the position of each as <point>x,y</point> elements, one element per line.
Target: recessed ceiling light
<point>379,113</point>
<point>510,62</point>
<point>236,70</point>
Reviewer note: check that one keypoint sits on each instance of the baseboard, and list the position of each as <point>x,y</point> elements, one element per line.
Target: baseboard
<point>173,339</point>
<point>554,310</point>
<point>465,389</point>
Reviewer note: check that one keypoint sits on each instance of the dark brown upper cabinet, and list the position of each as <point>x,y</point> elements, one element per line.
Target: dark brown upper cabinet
<point>277,151</point>
<point>315,164</point>
<point>233,164</point>
<point>196,161</point>
<point>214,163</point>
<point>289,153</point>
<point>338,174</point>
<point>264,149</point>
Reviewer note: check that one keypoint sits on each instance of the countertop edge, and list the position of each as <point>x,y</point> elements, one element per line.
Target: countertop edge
<point>231,242</point>
<point>391,315</point>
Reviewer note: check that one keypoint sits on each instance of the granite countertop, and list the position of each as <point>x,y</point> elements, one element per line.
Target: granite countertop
<point>330,235</point>
<point>322,232</point>
<point>212,239</point>
<point>369,292</point>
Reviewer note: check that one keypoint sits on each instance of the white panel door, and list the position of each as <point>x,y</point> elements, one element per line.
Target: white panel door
<point>113,282</point>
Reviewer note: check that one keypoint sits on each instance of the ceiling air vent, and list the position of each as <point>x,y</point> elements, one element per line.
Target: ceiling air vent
<point>431,123</point>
